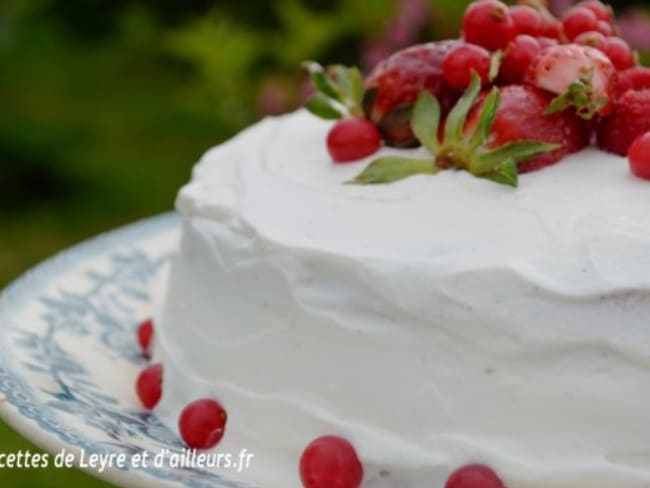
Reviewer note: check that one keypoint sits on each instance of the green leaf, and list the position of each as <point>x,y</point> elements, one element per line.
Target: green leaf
<point>560,103</point>
<point>580,95</point>
<point>458,115</point>
<point>393,168</point>
<point>486,119</point>
<point>324,85</point>
<point>346,82</point>
<point>321,81</point>
<point>356,85</point>
<point>495,65</point>
<point>506,174</point>
<point>517,151</point>
<point>426,120</point>
<point>323,107</point>
<point>340,83</point>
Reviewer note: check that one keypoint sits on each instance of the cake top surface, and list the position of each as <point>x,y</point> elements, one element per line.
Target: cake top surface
<point>277,181</point>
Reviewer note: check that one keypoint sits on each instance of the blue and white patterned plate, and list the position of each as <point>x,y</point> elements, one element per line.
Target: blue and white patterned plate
<point>69,358</point>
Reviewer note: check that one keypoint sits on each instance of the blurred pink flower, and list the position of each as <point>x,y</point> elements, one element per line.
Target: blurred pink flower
<point>559,7</point>
<point>635,28</point>
<point>412,16</point>
<point>273,97</point>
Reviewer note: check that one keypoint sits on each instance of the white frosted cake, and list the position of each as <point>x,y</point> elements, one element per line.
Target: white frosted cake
<point>444,284</point>
<point>433,322</point>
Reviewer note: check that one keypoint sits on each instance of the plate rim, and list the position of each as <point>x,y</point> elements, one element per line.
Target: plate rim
<point>40,273</point>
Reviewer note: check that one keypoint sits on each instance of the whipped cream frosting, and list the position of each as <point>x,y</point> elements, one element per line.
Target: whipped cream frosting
<point>433,322</point>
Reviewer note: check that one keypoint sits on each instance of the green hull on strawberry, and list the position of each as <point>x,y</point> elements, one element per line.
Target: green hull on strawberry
<point>458,149</point>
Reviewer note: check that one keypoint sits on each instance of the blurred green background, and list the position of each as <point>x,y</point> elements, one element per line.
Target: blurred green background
<point>106,104</point>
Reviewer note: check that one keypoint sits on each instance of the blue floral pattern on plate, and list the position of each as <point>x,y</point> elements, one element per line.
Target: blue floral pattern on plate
<point>68,354</point>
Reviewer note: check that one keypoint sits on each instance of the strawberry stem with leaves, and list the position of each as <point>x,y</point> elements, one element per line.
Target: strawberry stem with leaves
<point>339,91</point>
<point>581,96</point>
<point>458,150</point>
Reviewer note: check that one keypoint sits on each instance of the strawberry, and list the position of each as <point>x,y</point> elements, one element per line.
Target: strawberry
<point>463,146</point>
<point>521,115</point>
<point>630,119</point>
<point>637,78</point>
<point>581,76</point>
<point>394,85</point>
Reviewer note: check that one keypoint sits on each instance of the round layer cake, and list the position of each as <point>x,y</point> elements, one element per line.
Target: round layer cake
<point>433,322</point>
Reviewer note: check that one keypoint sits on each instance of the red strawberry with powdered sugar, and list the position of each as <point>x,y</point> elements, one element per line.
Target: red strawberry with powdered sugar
<point>630,119</point>
<point>521,116</point>
<point>580,76</point>
<point>395,84</point>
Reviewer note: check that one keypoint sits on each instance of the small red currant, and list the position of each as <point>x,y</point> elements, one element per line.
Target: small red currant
<point>592,39</point>
<point>330,462</point>
<point>619,53</point>
<point>145,334</point>
<point>551,27</point>
<point>527,20</point>
<point>579,20</point>
<point>636,78</point>
<point>474,476</point>
<point>605,28</point>
<point>149,386</point>
<point>639,156</point>
<point>352,139</point>
<point>603,12</point>
<point>202,424</point>
<point>459,63</point>
<point>518,56</point>
<point>488,23</point>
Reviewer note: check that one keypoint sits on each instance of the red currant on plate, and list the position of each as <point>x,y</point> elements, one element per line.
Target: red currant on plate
<point>330,462</point>
<point>149,386</point>
<point>639,156</point>
<point>474,476</point>
<point>145,334</point>
<point>202,423</point>
<point>488,23</point>
<point>461,61</point>
<point>352,139</point>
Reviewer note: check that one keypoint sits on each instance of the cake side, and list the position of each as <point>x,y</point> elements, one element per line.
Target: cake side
<point>432,322</point>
